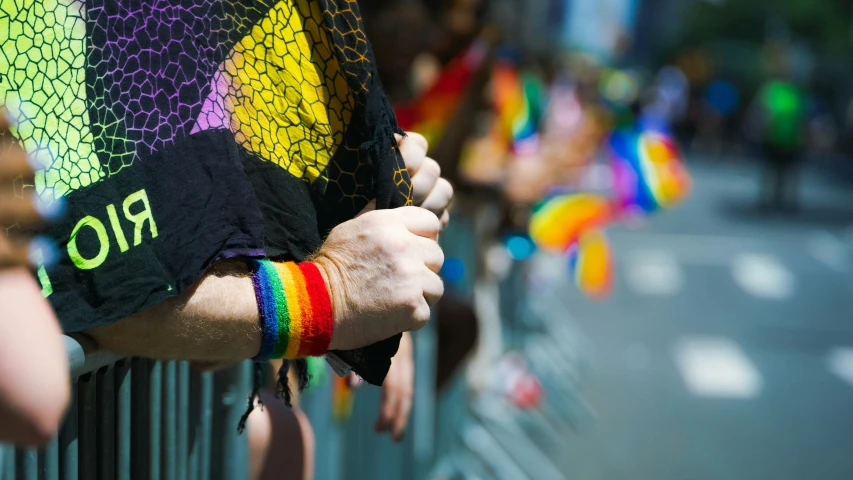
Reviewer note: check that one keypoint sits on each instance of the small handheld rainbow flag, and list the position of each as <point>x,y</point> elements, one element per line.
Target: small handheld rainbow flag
<point>573,224</point>
<point>648,175</point>
<point>648,171</point>
<point>430,113</point>
<point>517,98</point>
<point>342,398</point>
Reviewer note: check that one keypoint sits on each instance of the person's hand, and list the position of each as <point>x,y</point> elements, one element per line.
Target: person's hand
<point>397,392</point>
<point>429,190</point>
<point>15,209</point>
<point>381,271</point>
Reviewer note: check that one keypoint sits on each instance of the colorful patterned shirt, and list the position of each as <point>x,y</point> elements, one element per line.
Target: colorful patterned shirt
<point>182,132</point>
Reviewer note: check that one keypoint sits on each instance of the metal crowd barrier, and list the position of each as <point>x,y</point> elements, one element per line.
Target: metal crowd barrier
<point>141,419</point>
<point>353,450</point>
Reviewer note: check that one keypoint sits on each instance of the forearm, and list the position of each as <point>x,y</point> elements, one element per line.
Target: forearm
<point>214,320</point>
<point>34,384</point>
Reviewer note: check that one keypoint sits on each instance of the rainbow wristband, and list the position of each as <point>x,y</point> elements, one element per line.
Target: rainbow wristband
<point>294,309</point>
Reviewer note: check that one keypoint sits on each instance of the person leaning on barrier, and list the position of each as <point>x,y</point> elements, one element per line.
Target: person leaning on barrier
<point>34,384</point>
<point>379,271</point>
<point>218,166</point>
<point>218,181</point>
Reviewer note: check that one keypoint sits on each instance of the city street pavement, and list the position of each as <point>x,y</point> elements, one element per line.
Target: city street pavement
<point>726,349</point>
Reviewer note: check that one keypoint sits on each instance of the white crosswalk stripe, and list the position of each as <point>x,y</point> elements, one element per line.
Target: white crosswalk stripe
<point>839,361</point>
<point>715,366</point>
<point>763,276</point>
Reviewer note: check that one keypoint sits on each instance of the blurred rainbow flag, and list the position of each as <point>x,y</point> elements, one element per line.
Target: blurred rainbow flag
<point>518,98</point>
<point>649,175</point>
<point>429,114</point>
<point>648,171</point>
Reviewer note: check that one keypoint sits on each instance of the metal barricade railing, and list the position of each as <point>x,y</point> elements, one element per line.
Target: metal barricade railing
<point>353,450</point>
<point>141,419</point>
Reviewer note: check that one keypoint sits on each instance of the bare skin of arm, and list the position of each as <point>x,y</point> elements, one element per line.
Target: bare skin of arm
<point>215,320</point>
<point>34,385</point>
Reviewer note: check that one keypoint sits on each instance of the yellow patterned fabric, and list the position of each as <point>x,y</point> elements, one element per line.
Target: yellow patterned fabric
<point>284,92</point>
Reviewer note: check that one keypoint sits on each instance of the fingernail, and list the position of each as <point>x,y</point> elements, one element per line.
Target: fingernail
<point>50,209</point>
<point>43,252</point>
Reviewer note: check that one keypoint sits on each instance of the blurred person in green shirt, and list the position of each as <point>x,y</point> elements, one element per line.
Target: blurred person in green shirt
<point>779,114</point>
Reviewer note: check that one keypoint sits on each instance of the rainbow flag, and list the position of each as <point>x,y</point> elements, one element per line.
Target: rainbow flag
<point>429,114</point>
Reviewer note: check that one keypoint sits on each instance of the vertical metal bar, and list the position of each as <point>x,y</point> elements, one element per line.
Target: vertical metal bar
<point>235,448</point>
<point>139,425</point>
<point>69,440</point>
<point>123,425</point>
<point>194,432</point>
<point>155,401</point>
<point>7,462</point>
<point>183,415</point>
<point>422,426</point>
<point>106,423</point>
<point>88,408</point>
<point>228,436</point>
<point>28,464</point>
<point>169,424</point>
<point>206,427</point>
<point>50,460</point>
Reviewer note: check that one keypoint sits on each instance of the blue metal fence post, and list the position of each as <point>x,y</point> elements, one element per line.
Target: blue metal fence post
<point>235,448</point>
<point>87,408</point>
<point>7,462</point>
<point>170,426</point>
<point>200,429</point>
<point>422,433</point>
<point>28,463</point>
<point>106,416</point>
<point>203,439</point>
<point>50,460</point>
<point>183,413</point>
<point>123,424</point>
<point>155,418</point>
<point>139,424</point>
<point>69,440</point>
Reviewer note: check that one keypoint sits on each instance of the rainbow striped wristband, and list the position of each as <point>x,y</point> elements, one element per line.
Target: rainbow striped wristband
<point>294,309</point>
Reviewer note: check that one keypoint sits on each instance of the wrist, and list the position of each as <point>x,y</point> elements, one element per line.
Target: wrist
<point>294,309</point>
<point>336,291</point>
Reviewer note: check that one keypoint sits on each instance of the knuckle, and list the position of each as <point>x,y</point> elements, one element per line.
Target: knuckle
<point>421,317</point>
<point>406,271</point>
<point>434,222</point>
<point>439,255</point>
<point>419,139</point>
<point>410,298</point>
<point>393,243</point>
<point>415,299</point>
<point>440,289</point>
<point>432,166</point>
